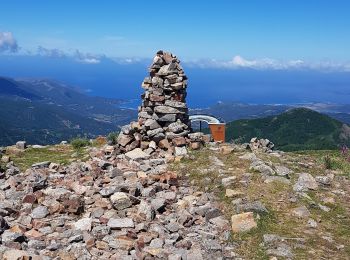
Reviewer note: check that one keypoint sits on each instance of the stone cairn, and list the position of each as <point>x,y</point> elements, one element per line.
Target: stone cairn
<point>163,120</point>
<point>264,145</point>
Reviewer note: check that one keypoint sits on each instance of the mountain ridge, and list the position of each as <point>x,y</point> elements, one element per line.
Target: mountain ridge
<point>43,111</point>
<point>295,129</point>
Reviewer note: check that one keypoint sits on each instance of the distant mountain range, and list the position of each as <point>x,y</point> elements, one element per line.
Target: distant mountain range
<point>295,129</point>
<point>43,111</point>
<point>230,111</point>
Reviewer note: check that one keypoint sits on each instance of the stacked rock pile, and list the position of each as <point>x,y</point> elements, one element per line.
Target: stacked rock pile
<point>264,145</point>
<point>163,120</point>
<point>108,207</point>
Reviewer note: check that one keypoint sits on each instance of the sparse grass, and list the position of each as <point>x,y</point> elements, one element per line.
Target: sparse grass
<point>254,238</point>
<point>276,197</point>
<point>328,159</point>
<point>61,154</point>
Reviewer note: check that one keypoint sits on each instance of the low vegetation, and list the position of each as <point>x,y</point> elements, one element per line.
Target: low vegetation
<point>112,137</point>
<point>61,154</point>
<point>331,159</point>
<point>78,143</point>
<point>329,240</point>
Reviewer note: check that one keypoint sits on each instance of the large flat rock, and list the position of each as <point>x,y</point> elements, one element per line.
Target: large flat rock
<point>136,154</point>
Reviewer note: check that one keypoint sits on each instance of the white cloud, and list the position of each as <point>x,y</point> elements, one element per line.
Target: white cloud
<point>265,63</point>
<point>77,55</point>
<point>55,53</point>
<point>8,42</point>
<point>87,58</point>
<point>129,60</point>
<point>238,62</point>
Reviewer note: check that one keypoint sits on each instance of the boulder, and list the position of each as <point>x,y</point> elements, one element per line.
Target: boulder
<point>118,223</point>
<point>15,254</point>
<point>243,222</point>
<point>180,151</point>
<point>151,124</point>
<point>120,200</point>
<point>21,145</point>
<point>83,224</point>
<point>164,144</point>
<point>167,118</point>
<point>282,170</point>
<point>305,182</point>
<point>301,212</point>
<point>124,139</point>
<point>39,212</point>
<point>325,180</point>
<point>228,181</point>
<point>41,165</point>
<point>233,193</point>
<point>167,110</point>
<point>179,141</point>
<point>136,154</point>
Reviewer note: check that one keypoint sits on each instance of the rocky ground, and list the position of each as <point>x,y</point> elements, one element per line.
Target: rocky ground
<point>221,202</point>
<point>301,209</point>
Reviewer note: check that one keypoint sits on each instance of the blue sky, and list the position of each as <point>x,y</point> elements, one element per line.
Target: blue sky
<point>313,30</point>
<point>257,51</point>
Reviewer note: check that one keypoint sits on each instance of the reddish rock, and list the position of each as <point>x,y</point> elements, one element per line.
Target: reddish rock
<point>37,223</point>
<point>168,177</point>
<point>78,188</point>
<point>14,245</point>
<point>17,229</point>
<point>156,98</point>
<point>144,145</point>
<point>103,220</point>
<point>29,198</point>
<point>101,245</point>
<point>39,194</point>
<point>195,145</point>
<point>86,179</point>
<point>123,139</point>
<point>164,144</point>
<point>73,205</point>
<point>179,141</point>
<point>125,243</point>
<point>136,125</point>
<point>34,234</point>
<point>183,244</point>
<point>54,207</point>
<point>103,203</point>
<point>89,240</point>
<point>133,145</point>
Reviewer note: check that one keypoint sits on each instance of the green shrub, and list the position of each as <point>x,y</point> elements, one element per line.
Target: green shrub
<point>334,163</point>
<point>112,137</point>
<point>79,143</point>
<point>328,164</point>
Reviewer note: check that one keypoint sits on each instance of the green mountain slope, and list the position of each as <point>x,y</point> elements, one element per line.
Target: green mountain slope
<point>296,129</point>
<point>43,111</point>
<point>40,123</point>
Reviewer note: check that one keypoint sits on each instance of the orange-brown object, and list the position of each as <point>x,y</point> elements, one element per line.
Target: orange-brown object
<point>218,132</point>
